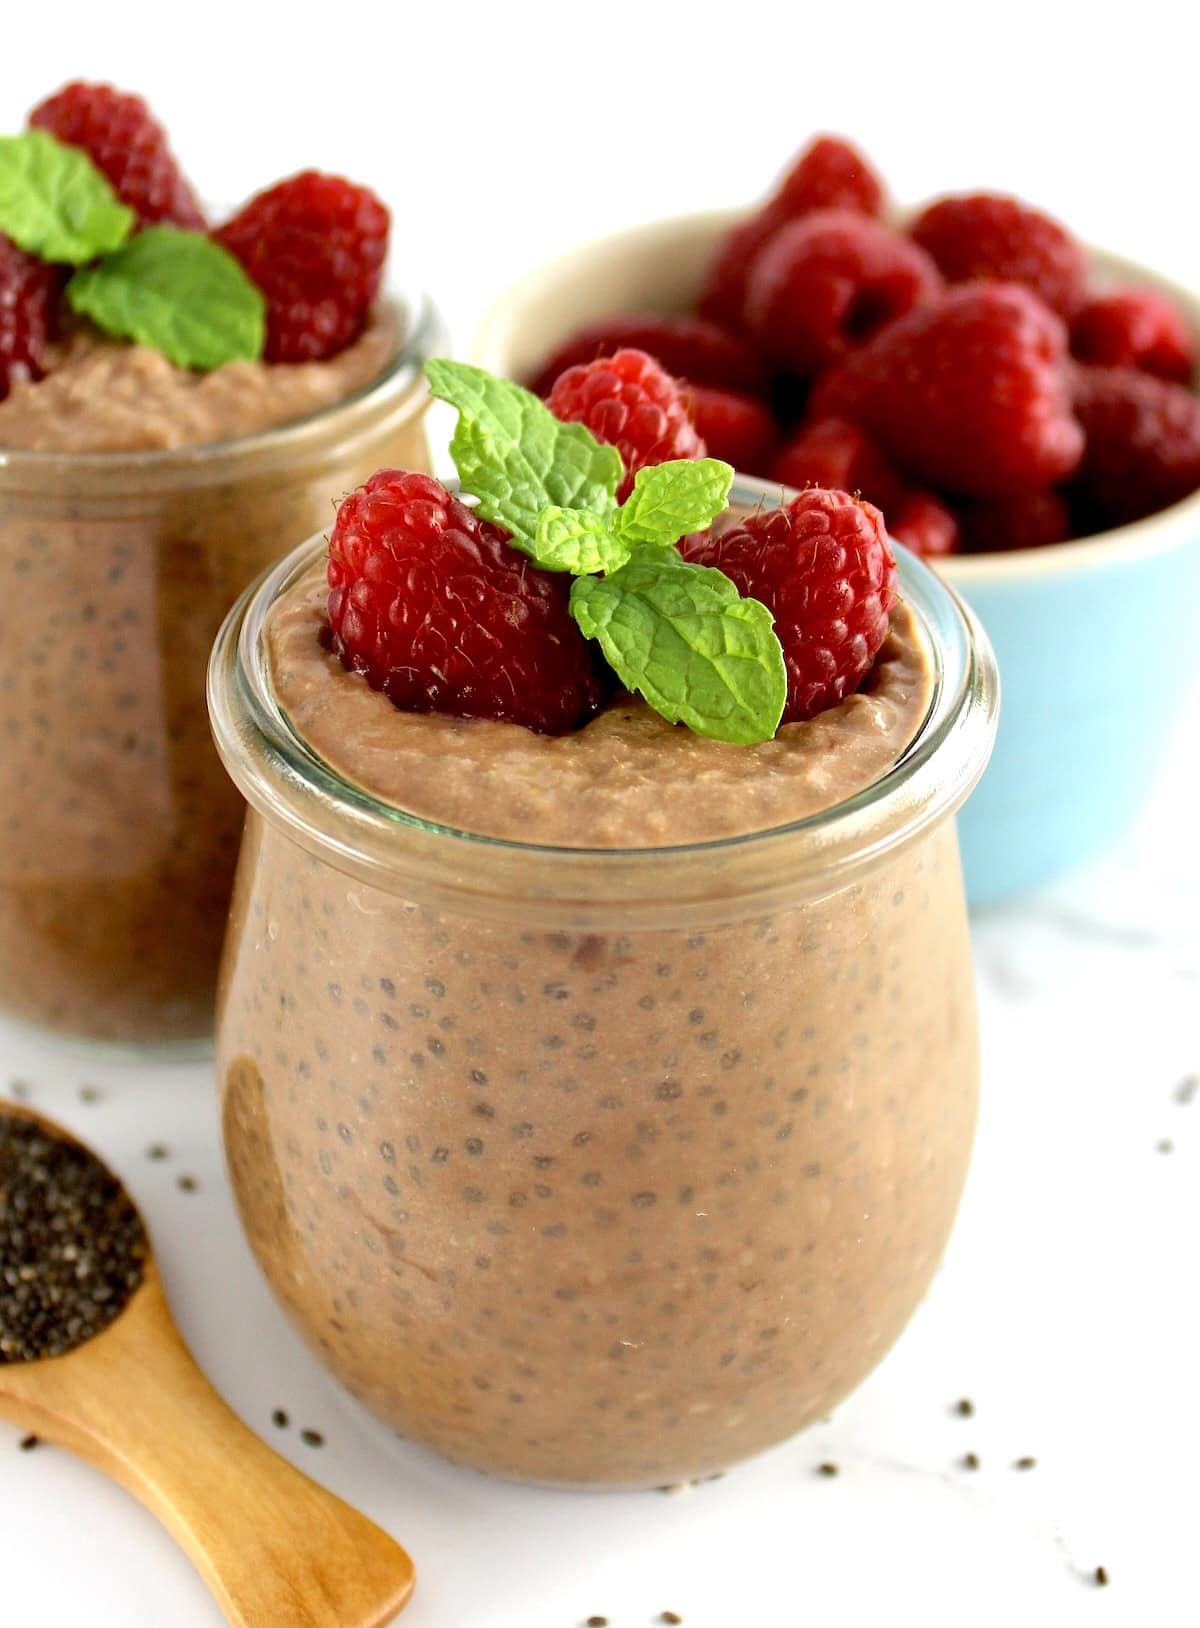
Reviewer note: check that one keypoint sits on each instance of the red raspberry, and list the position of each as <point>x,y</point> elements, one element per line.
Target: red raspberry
<point>735,428</point>
<point>1143,444</point>
<point>823,567</point>
<point>923,524</point>
<point>1134,327</point>
<point>970,395</point>
<point>1032,520</point>
<point>829,174</point>
<point>125,141</point>
<point>435,608</point>
<point>827,283</point>
<point>687,347</point>
<point>832,452</point>
<point>984,235</point>
<point>630,402</point>
<point>28,294</point>
<point>315,245</point>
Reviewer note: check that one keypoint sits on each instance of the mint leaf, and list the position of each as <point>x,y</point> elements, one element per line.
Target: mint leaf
<point>178,292</point>
<point>577,540</point>
<point>670,500</point>
<point>681,636</point>
<point>55,203</point>
<point>516,458</point>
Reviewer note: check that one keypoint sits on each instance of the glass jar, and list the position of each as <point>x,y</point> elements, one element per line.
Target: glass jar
<point>118,828</point>
<point>598,1167</point>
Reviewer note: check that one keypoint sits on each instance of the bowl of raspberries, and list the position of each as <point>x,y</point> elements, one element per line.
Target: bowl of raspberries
<point>1021,407</point>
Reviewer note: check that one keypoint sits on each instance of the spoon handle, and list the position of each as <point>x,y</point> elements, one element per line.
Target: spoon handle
<point>277,1550</point>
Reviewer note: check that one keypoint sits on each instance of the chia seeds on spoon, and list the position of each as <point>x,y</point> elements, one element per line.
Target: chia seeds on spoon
<point>72,1245</point>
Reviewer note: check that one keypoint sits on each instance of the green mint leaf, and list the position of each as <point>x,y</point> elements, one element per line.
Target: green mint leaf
<point>670,500</point>
<point>515,457</point>
<point>577,540</point>
<point>55,203</point>
<point>178,292</point>
<point>682,637</point>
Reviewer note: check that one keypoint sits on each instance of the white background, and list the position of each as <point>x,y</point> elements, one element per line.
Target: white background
<point>500,135</point>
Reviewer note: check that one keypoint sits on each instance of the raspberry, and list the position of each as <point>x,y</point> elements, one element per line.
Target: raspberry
<point>823,567</point>
<point>923,524</point>
<point>970,395</point>
<point>984,235</point>
<point>687,347</point>
<point>28,293</point>
<point>1143,444</point>
<point>315,244</point>
<point>724,292</point>
<point>1134,327</point>
<point>126,142</point>
<point>828,282</point>
<point>832,452</point>
<point>630,402</point>
<point>435,608</point>
<point>735,428</point>
<point>1032,520</point>
<point>829,174</point>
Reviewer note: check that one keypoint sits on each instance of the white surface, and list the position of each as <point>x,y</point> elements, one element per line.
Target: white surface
<point>1065,1311</point>
<point>502,134</point>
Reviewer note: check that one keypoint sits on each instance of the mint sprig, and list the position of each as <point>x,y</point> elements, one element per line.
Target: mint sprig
<point>676,633</point>
<point>178,292</point>
<point>54,202</point>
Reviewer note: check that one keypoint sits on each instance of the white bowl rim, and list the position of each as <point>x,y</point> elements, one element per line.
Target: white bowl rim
<point>1157,533</point>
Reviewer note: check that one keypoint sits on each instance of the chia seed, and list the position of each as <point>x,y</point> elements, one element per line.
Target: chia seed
<point>72,1245</point>
<point>1101,1577</point>
<point>827,1469</point>
<point>187,1184</point>
<point>965,1408</point>
<point>312,1438</point>
<point>1025,1463</point>
<point>28,1443</point>
<point>671,1617</point>
<point>280,1419</point>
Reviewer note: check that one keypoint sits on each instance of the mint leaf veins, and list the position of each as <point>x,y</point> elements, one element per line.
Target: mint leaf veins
<point>516,458</point>
<point>54,202</point>
<point>178,292</point>
<point>682,637</point>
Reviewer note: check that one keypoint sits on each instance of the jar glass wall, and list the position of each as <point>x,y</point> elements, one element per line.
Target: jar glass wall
<point>599,1167</point>
<point>118,828</point>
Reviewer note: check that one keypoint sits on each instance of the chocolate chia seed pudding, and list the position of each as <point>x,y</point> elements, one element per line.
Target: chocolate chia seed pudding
<point>136,501</point>
<point>610,1128</point>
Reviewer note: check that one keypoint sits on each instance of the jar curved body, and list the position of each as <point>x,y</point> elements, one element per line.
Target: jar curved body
<point>598,1208</point>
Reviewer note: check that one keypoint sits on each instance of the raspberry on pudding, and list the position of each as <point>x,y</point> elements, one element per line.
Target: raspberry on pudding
<point>174,412</point>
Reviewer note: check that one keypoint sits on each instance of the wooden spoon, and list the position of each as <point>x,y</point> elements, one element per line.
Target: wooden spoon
<point>277,1550</point>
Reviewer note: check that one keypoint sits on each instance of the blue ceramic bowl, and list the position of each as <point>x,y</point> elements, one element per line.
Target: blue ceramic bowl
<point>1095,639</point>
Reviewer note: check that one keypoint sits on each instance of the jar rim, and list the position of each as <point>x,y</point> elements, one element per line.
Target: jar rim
<point>422,334</point>
<point>281,775</point>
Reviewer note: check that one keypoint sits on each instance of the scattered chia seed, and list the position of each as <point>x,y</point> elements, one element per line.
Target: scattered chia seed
<point>970,1461</point>
<point>280,1419</point>
<point>28,1443</point>
<point>1100,1576</point>
<point>72,1246</point>
<point>965,1408</point>
<point>1164,1145</point>
<point>156,1150</point>
<point>827,1469</point>
<point>672,1617</point>
<point>1026,1463</point>
<point>187,1184</point>
<point>312,1438</point>
<point>597,1622</point>
<point>89,1093</point>
<point>1185,1092</point>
